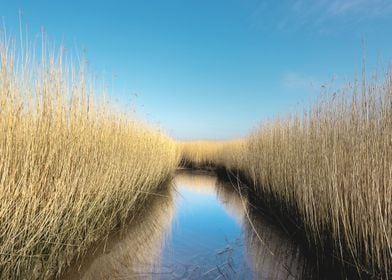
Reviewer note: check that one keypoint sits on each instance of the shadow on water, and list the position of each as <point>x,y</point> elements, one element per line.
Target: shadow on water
<point>134,251</point>
<point>202,228</point>
<point>270,252</point>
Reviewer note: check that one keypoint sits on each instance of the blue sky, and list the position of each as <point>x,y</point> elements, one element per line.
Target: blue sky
<point>214,69</point>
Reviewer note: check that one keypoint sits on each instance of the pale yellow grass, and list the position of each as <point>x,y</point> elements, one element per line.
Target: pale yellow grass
<point>209,153</point>
<point>71,169</point>
<point>330,170</point>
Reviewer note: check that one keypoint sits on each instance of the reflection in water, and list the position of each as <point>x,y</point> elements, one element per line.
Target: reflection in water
<point>268,246</point>
<point>206,242</point>
<point>214,234</point>
<point>271,254</point>
<point>134,252</point>
<point>198,182</point>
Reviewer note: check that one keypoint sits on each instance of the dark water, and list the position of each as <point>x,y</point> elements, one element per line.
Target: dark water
<point>200,229</point>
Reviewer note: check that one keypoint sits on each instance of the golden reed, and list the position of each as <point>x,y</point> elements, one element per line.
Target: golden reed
<point>329,169</point>
<point>71,168</point>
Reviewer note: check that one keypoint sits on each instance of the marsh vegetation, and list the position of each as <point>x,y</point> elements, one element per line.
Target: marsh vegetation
<point>327,171</point>
<point>73,170</point>
<point>200,228</point>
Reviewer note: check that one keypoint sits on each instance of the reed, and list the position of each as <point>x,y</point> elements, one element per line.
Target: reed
<point>329,170</point>
<point>71,167</point>
<point>212,154</point>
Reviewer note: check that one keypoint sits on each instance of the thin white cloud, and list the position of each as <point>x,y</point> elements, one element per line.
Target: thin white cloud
<point>319,14</point>
<point>346,11</point>
<point>365,8</point>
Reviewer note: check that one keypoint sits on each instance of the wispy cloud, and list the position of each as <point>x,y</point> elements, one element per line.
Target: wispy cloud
<point>362,8</point>
<point>319,14</point>
<point>352,11</point>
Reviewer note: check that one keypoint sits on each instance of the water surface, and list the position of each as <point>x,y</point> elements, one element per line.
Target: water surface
<point>198,229</point>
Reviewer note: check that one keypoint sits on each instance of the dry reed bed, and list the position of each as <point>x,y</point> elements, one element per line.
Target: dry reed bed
<point>330,170</point>
<point>71,169</point>
<point>201,154</point>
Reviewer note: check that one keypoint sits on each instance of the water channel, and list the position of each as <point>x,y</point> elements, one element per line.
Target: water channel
<point>201,228</point>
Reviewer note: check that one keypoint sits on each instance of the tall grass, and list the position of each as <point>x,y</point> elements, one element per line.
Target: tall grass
<point>134,251</point>
<point>201,154</point>
<point>329,170</point>
<point>71,168</point>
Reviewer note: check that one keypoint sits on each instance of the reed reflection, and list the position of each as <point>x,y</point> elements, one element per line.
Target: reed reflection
<point>134,252</point>
<point>270,252</point>
<point>202,228</point>
<point>206,242</point>
<point>196,181</point>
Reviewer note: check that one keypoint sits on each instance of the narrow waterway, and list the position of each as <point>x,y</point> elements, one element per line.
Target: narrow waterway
<point>200,228</point>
